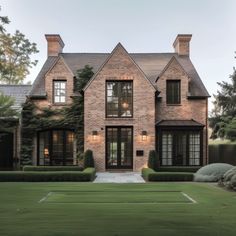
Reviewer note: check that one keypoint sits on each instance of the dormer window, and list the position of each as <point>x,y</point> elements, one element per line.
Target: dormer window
<point>59,91</point>
<point>173,92</point>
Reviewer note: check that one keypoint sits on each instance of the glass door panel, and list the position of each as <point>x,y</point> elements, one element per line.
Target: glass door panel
<point>119,147</point>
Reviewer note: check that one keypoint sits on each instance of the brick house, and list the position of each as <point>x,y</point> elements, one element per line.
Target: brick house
<point>134,103</point>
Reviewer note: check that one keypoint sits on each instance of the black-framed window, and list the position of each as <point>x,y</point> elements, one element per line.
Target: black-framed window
<point>119,99</point>
<point>56,147</point>
<point>173,92</point>
<point>180,147</point>
<point>59,91</point>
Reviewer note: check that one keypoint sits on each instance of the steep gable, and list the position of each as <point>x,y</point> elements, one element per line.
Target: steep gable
<point>120,60</point>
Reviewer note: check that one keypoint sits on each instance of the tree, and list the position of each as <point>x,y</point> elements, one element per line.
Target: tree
<point>3,20</point>
<point>6,110</point>
<point>15,53</point>
<point>223,115</point>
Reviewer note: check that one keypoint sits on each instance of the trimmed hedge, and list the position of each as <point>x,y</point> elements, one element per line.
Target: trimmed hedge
<point>88,159</point>
<point>222,153</point>
<point>151,175</point>
<point>191,169</point>
<point>47,176</point>
<point>153,160</point>
<point>52,168</point>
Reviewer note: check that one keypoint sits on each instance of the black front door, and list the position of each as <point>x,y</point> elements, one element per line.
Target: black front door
<point>6,151</point>
<point>119,147</point>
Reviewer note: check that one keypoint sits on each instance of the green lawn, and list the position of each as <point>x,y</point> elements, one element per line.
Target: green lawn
<point>116,209</point>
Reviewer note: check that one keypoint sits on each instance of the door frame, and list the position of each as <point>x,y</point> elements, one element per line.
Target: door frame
<point>118,141</point>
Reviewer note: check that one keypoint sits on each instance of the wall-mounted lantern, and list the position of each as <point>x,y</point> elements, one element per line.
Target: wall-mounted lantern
<point>94,134</point>
<point>144,135</point>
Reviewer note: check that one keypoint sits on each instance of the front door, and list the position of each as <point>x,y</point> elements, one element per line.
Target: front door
<point>119,147</point>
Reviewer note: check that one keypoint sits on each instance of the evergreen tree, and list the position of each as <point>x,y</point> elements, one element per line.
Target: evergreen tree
<point>223,115</point>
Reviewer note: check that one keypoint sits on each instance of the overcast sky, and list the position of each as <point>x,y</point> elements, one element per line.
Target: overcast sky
<point>140,25</point>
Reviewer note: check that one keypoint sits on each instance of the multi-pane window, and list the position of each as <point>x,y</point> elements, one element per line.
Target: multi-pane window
<point>59,91</point>
<point>119,99</point>
<point>194,149</point>
<point>173,92</point>
<point>56,147</point>
<point>167,148</point>
<point>181,148</point>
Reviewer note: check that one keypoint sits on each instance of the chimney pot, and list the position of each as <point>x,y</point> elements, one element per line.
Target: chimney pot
<point>182,44</point>
<point>55,44</point>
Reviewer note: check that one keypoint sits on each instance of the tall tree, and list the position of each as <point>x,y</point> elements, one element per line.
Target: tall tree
<point>15,55</point>
<point>223,115</point>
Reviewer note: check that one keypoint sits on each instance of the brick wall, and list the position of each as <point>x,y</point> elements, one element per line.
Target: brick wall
<point>188,109</point>
<point>120,67</point>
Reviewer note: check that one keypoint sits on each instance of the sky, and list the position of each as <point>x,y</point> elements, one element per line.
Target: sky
<point>140,25</point>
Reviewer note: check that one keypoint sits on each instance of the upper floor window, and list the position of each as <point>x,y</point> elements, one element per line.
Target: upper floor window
<point>119,99</point>
<point>59,91</point>
<point>173,92</point>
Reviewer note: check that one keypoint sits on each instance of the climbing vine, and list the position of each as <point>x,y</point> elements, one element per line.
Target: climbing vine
<point>71,117</point>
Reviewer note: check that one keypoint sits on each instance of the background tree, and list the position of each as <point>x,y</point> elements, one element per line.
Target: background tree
<point>15,53</point>
<point>223,117</point>
<point>6,104</point>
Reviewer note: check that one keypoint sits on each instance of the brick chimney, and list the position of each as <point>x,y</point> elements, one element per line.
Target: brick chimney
<point>55,44</point>
<point>181,44</point>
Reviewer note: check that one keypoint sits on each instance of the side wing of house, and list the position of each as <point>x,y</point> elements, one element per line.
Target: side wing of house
<point>181,119</point>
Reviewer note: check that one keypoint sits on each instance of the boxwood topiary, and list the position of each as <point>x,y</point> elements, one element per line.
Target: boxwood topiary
<point>153,160</point>
<point>88,159</point>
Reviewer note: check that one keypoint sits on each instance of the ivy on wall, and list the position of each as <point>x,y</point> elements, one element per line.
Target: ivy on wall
<point>71,117</point>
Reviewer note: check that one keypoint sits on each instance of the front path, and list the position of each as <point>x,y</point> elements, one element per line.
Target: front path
<point>124,177</point>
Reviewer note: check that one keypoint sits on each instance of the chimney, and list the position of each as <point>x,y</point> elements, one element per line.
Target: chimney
<point>181,44</point>
<point>55,44</point>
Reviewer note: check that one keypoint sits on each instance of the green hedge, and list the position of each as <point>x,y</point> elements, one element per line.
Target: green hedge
<point>222,153</point>
<point>52,168</point>
<point>150,175</point>
<point>191,169</point>
<point>48,176</point>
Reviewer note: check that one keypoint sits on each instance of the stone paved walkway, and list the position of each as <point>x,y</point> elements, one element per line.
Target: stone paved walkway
<point>124,177</point>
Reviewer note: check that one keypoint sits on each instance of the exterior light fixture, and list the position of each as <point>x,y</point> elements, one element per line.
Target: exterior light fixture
<point>125,105</point>
<point>46,152</point>
<point>94,134</point>
<point>144,135</point>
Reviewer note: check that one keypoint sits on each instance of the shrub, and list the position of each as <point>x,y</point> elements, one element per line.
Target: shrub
<point>223,152</point>
<point>88,159</point>
<point>191,169</point>
<point>47,176</point>
<point>153,160</point>
<point>229,179</point>
<point>52,168</point>
<point>212,172</point>
<point>150,175</point>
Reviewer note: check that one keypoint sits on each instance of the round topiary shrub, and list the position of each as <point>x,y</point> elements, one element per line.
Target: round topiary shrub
<point>233,182</point>
<point>212,172</point>
<point>153,160</point>
<point>88,159</point>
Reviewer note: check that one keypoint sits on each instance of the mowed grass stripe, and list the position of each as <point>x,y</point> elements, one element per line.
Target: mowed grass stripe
<point>116,197</point>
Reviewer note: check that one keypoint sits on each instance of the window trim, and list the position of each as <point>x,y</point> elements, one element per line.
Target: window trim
<point>119,109</point>
<point>53,91</point>
<point>179,100</point>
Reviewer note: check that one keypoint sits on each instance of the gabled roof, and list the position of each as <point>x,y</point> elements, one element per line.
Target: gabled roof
<point>18,92</point>
<point>152,65</point>
<point>119,45</point>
